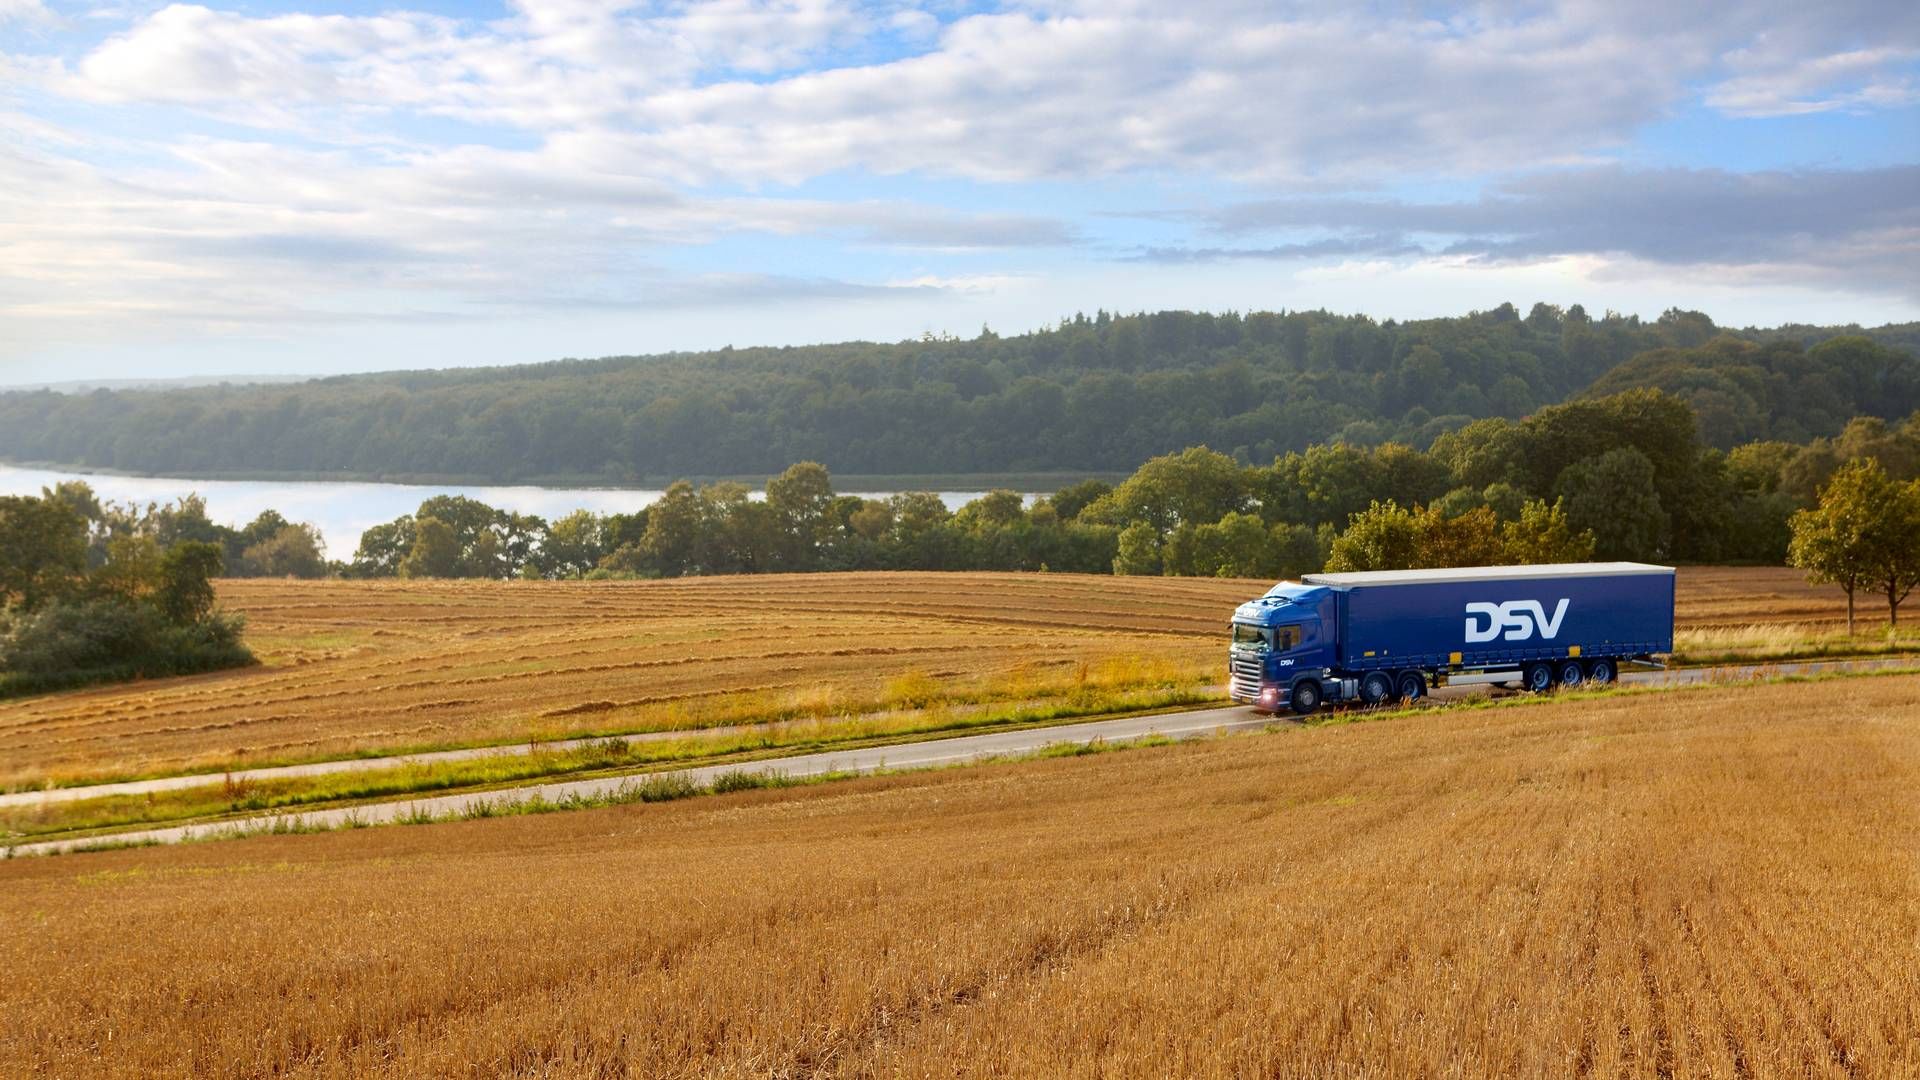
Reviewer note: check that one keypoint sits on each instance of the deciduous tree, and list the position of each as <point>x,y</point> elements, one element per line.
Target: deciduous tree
<point>435,552</point>
<point>1834,541</point>
<point>1384,536</point>
<point>292,551</point>
<point>187,570</point>
<point>1195,486</point>
<point>1139,551</point>
<point>573,545</point>
<point>1543,534</point>
<point>800,499</point>
<point>1469,539</point>
<point>43,549</point>
<point>1895,540</point>
<point>1613,496</point>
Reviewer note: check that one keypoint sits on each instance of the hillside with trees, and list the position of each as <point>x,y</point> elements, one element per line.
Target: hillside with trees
<point>1745,391</point>
<point>1097,393</point>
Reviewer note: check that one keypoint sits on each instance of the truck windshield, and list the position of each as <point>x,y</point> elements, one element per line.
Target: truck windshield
<point>1276,639</point>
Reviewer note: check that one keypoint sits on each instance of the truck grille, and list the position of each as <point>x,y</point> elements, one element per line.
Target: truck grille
<point>1244,676</point>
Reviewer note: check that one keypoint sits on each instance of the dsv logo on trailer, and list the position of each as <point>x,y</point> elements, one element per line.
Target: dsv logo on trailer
<point>1519,618</point>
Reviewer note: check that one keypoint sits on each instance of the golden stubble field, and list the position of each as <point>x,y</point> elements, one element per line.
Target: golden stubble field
<point>353,667</point>
<point>1734,596</point>
<point>356,666</point>
<point>1717,882</point>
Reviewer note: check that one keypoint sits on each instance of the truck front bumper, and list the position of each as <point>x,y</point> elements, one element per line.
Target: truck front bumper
<point>1269,698</point>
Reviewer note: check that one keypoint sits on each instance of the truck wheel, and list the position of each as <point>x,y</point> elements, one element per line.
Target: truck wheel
<point>1571,674</point>
<point>1601,672</point>
<point>1376,688</point>
<point>1413,686</point>
<point>1306,697</point>
<point>1537,678</point>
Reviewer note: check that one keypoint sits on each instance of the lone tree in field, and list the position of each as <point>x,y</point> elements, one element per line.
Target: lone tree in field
<point>1897,546</point>
<point>1864,533</point>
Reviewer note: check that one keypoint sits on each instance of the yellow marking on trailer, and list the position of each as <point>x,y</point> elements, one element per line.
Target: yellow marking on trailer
<point>1575,651</point>
<point>1454,659</point>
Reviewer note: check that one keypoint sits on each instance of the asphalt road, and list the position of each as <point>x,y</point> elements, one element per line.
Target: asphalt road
<point>900,756</point>
<point>323,768</point>
<point>924,754</point>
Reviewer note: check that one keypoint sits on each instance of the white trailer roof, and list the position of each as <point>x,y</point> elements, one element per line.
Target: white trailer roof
<point>1483,573</point>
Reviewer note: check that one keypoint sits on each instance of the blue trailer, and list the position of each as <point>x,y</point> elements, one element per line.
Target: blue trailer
<point>1383,635</point>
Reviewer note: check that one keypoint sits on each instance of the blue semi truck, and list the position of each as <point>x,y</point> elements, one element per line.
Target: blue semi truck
<point>1387,635</point>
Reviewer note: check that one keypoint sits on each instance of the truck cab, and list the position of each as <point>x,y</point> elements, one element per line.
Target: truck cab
<point>1280,639</point>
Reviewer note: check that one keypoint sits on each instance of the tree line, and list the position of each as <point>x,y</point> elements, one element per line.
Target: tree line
<point>1098,393</point>
<point>1620,477</point>
<point>267,546</point>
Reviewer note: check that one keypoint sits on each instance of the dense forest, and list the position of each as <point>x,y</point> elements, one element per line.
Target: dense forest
<point>1095,394</point>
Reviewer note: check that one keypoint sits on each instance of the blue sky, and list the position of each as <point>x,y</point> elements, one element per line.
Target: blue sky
<point>293,187</point>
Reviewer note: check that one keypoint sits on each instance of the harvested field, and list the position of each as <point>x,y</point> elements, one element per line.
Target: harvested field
<point>1732,615</point>
<point>1729,596</point>
<point>358,666</point>
<point>1702,882</point>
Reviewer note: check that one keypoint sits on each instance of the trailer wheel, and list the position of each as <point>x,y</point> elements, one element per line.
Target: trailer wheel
<point>1537,678</point>
<point>1413,686</point>
<point>1306,697</point>
<point>1376,688</point>
<point>1571,674</point>
<point>1601,672</point>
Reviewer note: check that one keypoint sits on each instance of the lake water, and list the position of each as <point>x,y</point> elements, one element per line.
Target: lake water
<point>342,511</point>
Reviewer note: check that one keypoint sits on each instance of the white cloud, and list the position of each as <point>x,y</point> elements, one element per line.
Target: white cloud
<point>245,236</point>
<point>763,35</point>
<point>963,283</point>
<point>1855,231</point>
<point>1240,89</point>
<point>1010,97</point>
<point>410,166</point>
<point>185,53</point>
<point>1858,79</point>
<point>25,11</point>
